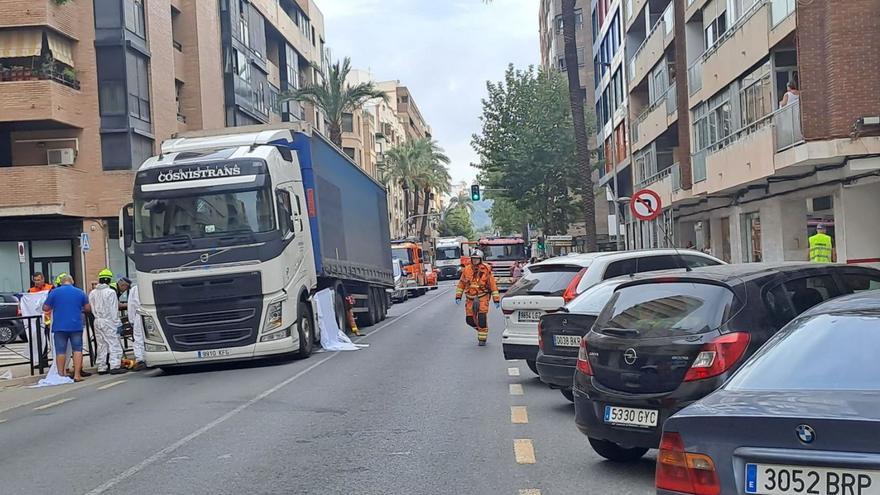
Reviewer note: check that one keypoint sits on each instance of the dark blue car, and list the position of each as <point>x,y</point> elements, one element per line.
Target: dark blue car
<point>802,416</point>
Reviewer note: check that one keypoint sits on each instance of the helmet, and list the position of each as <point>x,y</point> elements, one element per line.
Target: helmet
<point>476,253</point>
<point>59,278</point>
<point>105,273</point>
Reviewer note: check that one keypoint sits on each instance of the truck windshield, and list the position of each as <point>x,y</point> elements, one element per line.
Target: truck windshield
<point>509,252</point>
<point>203,215</point>
<point>403,254</point>
<point>448,253</point>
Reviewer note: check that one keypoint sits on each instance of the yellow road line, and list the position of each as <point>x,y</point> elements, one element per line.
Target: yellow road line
<point>530,491</point>
<point>113,384</point>
<point>524,451</point>
<point>516,389</point>
<point>519,415</point>
<point>513,371</point>
<point>53,404</point>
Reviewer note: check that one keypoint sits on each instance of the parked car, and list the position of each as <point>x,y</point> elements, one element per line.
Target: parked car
<point>665,341</point>
<point>560,333</point>
<point>399,293</point>
<point>10,330</point>
<point>550,284</point>
<point>800,417</point>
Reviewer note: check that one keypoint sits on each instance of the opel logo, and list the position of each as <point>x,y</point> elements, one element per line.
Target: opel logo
<point>630,356</point>
<point>204,257</point>
<point>805,433</point>
<point>564,322</point>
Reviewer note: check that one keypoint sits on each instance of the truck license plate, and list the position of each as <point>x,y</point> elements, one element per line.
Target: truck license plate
<point>628,416</point>
<point>213,353</point>
<point>775,479</point>
<point>566,341</point>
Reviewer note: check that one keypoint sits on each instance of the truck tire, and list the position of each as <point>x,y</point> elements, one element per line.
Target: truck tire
<point>339,309</point>
<point>371,316</point>
<point>305,327</point>
<point>383,303</point>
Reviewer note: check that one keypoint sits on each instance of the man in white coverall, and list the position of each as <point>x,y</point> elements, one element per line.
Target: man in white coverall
<point>137,324</point>
<point>105,308</point>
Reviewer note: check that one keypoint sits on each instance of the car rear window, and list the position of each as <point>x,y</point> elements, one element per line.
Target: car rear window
<point>544,280</point>
<point>666,308</point>
<point>593,299</point>
<point>824,352</point>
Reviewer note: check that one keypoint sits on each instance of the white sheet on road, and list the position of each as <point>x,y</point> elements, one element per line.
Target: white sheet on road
<point>31,304</point>
<point>332,338</point>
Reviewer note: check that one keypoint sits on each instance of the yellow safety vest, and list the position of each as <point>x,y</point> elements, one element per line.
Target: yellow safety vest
<point>820,248</point>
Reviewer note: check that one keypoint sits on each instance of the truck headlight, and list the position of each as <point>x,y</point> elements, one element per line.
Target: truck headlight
<point>151,330</point>
<point>273,317</point>
<point>154,347</point>
<point>281,334</point>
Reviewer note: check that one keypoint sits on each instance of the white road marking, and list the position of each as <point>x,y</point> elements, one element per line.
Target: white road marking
<point>516,389</point>
<point>530,491</point>
<point>111,384</point>
<point>524,451</point>
<point>158,456</point>
<point>513,371</point>
<point>53,404</point>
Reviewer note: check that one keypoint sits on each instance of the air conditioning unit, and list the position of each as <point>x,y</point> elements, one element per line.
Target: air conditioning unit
<point>61,156</point>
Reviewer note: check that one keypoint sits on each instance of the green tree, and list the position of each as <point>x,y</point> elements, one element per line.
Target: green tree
<point>527,149</point>
<point>335,96</point>
<point>433,176</point>
<point>457,223</point>
<point>506,217</point>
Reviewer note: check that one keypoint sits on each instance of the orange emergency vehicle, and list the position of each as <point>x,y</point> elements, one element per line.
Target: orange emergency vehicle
<point>412,258</point>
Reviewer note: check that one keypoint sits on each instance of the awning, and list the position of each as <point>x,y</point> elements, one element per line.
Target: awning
<point>21,43</point>
<point>61,48</point>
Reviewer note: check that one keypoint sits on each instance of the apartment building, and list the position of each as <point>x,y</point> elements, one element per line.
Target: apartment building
<point>747,165</point>
<point>552,46</point>
<point>89,89</point>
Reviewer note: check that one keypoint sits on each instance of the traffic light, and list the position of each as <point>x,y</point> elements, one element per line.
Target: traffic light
<point>541,243</point>
<point>475,192</point>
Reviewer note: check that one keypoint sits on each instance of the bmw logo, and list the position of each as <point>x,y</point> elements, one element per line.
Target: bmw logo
<point>805,433</point>
<point>630,356</point>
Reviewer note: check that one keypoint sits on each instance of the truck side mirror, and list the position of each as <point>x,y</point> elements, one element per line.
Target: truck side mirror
<point>126,227</point>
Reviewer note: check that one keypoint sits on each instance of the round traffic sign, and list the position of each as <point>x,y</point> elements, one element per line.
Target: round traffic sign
<point>645,205</point>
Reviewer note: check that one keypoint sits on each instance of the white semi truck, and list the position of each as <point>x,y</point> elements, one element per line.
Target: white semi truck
<point>448,252</point>
<point>233,231</point>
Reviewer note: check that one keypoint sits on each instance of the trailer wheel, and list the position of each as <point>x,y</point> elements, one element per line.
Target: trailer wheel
<point>339,309</point>
<point>372,315</point>
<point>306,329</point>
<point>383,303</point>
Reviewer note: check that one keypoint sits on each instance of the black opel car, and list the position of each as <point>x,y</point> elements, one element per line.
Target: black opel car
<point>668,339</point>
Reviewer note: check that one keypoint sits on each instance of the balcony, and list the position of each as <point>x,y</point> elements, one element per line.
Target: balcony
<point>787,127</point>
<point>21,13</point>
<point>748,158</point>
<point>648,53</point>
<point>43,100</point>
<point>52,189</point>
<point>633,7</point>
<point>741,47</point>
<point>655,120</point>
<point>695,76</point>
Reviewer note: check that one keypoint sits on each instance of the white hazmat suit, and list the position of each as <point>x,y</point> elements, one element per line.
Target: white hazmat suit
<point>137,323</point>
<point>105,308</point>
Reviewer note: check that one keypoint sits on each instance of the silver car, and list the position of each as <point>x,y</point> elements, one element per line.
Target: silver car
<point>802,416</point>
<point>399,292</point>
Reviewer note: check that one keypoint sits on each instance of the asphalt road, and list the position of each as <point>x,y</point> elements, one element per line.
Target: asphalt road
<point>423,410</point>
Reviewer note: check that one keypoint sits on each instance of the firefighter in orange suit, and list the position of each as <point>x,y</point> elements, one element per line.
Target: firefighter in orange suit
<point>477,283</point>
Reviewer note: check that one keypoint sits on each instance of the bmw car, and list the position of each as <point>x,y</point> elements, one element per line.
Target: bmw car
<point>801,417</point>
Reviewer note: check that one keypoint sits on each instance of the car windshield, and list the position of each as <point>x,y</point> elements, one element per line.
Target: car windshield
<point>403,254</point>
<point>503,252</point>
<point>666,308</point>
<point>544,280</point>
<point>824,352</point>
<point>203,215</point>
<point>448,253</point>
<point>593,299</point>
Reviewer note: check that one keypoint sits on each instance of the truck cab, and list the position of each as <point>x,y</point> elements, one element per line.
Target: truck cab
<point>448,255</point>
<point>502,253</point>
<point>411,257</point>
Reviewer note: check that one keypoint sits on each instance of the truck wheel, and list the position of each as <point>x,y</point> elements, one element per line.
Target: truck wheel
<point>339,308</point>
<point>383,304</point>
<point>306,330</point>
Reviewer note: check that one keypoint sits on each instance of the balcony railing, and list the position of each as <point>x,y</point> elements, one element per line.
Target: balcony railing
<point>647,181</point>
<point>695,76</point>
<point>676,176</point>
<point>671,99</point>
<point>668,19</point>
<point>780,10</point>
<point>698,164</point>
<point>747,15</point>
<point>647,38</point>
<point>787,126</point>
<point>67,77</point>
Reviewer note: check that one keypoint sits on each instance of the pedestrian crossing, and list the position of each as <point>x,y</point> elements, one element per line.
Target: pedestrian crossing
<point>14,352</point>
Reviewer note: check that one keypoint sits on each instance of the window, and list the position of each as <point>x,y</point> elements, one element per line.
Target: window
<point>720,118</point>
<point>260,98</point>
<point>788,300</point>
<point>243,33</point>
<point>756,95</point>
<point>592,300</point>
<point>751,238</point>
<point>138,86</point>
<point>860,282</point>
<point>578,23</point>
<point>698,261</point>
<point>134,17</point>
<point>347,122</point>
<point>111,95</point>
<point>285,212</point>
<point>544,280</point>
<point>715,29</point>
<point>242,65</point>
<point>349,152</point>
<point>701,127</point>
<point>561,63</point>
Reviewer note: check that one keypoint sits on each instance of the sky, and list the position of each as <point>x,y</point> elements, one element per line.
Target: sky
<point>444,51</point>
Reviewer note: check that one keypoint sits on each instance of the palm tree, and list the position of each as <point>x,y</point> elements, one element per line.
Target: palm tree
<point>335,96</point>
<point>462,201</point>
<point>435,178</point>
<point>582,142</point>
<point>401,167</point>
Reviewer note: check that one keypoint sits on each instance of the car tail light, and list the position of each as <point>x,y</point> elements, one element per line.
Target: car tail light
<point>583,364</point>
<point>507,311</point>
<point>571,291</point>
<point>718,356</point>
<point>540,335</point>
<point>684,472</point>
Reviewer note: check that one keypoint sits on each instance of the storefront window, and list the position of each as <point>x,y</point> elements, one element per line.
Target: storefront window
<point>751,236</point>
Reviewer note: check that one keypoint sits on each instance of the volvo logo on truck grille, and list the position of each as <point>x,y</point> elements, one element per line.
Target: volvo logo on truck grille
<point>630,356</point>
